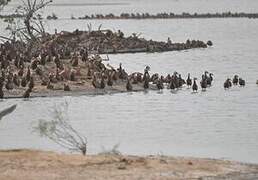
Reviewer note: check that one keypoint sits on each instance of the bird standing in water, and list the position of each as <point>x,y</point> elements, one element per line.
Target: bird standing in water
<point>235,80</point>
<point>129,86</point>
<point>195,86</point>
<point>189,81</point>
<point>227,84</point>
<point>241,82</point>
<point>204,83</point>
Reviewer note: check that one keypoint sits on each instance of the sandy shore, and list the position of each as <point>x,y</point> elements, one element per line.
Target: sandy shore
<point>33,164</point>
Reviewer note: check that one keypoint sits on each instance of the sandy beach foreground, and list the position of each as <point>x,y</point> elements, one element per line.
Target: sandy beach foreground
<point>33,164</point>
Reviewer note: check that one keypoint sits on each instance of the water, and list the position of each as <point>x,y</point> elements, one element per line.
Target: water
<point>215,123</point>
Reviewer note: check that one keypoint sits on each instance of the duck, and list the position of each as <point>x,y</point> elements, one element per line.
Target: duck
<point>28,74</point>
<point>129,87</point>
<point>23,81</point>
<point>1,89</point>
<point>109,81</point>
<point>227,84</point>
<point>1,93</point>
<point>31,83</point>
<point>172,84</point>
<point>203,83</point>
<point>160,84</point>
<point>49,85</point>
<point>27,93</point>
<point>181,81</point>
<point>9,85</point>
<point>189,81</point>
<point>209,79</point>
<point>16,80</point>
<point>195,86</point>
<point>146,84</point>
<point>235,80</point>
<point>241,82</point>
<point>67,87</point>
<point>102,83</point>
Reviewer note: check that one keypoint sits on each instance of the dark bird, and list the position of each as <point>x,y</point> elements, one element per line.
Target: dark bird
<point>160,84</point>
<point>204,82</point>
<point>49,85</point>
<point>189,81</point>
<point>23,81</point>
<point>241,82</point>
<point>1,93</point>
<point>9,85</point>
<point>110,81</point>
<point>227,84</point>
<point>129,87</point>
<point>28,74</point>
<point>195,86</point>
<point>146,84</point>
<point>209,79</point>
<point>66,87</point>
<point>31,83</point>
<point>7,111</point>
<point>235,80</point>
<point>16,80</point>
<point>27,93</point>
<point>102,83</point>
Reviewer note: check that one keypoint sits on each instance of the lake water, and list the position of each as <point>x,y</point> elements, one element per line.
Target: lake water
<point>215,123</point>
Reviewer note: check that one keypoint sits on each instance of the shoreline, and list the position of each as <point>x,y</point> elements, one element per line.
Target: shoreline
<point>37,164</point>
<point>81,92</point>
<point>143,16</point>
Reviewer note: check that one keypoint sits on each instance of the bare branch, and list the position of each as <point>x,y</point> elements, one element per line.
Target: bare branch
<point>61,132</point>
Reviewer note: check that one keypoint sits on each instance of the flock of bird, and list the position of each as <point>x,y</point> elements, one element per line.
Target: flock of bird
<point>176,81</point>
<point>17,71</point>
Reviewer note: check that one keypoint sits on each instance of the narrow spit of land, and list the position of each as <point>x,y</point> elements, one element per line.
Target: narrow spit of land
<point>32,164</point>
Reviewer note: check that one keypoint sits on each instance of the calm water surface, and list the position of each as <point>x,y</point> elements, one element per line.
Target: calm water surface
<point>215,123</point>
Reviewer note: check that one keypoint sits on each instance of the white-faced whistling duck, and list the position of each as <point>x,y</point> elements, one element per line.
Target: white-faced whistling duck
<point>28,74</point>
<point>129,87</point>
<point>16,80</point>
<point>1,89</point>
<point>235,80</point>
<point>27,93</point>
<point>160,84</point>
<point>20,72</point>
<point>227,84</point>
<point>109,81</point>
<point>209,79</point>
<point>241,82</point>
<point>204,82</point>
<point>23,81</point>
<point>49,85</point>
<point>31,83</point>
<point>9,85</point>
<point>146,84</point>
<point>66,87</point>
<point>195,86</point>
<point>1,93</point>
<point>172,84</point>
<point>189,80</point>
<point>102,83</point>
<point>146,73</point>
<point>181,81</point>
